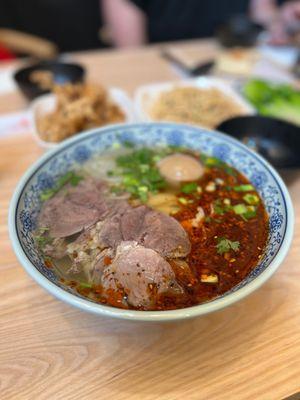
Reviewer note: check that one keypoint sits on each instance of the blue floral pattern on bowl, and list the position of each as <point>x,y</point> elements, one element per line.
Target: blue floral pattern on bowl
<point>85,146</point>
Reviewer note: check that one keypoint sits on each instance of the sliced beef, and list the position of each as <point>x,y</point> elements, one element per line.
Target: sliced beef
<point>132,222</point>
<point>164,234</point>
<point>156,231</point>
<point>149,228</point>
<point>141,273</point>
<point>74,209</point>
<point>110,234</point>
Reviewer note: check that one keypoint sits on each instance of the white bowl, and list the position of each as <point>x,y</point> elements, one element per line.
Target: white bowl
<point>145,96</point>
<point>45,104</point>
<point>26,203</point>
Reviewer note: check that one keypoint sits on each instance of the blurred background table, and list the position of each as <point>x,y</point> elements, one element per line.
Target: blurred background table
<point>49,350</point>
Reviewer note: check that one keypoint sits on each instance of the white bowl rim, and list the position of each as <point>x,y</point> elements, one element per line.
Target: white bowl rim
<point>134,315</point>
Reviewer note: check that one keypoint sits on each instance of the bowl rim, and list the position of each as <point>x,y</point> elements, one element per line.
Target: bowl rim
<point>135,315</point>
<point>45,65</point>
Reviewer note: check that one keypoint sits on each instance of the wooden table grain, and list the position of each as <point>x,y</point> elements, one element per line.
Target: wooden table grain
<point>49,350</point>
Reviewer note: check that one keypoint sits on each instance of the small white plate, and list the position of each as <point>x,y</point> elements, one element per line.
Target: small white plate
<point>46,104</point>
<point>145,96</point>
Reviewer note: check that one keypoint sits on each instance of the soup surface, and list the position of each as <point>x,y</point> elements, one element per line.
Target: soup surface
<point>152,229</point>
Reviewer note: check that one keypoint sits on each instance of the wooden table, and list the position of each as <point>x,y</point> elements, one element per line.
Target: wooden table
<point>49,350</point>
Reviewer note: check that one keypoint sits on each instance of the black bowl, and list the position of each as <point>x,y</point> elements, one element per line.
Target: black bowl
<point>239,31</point>
<point>62,73</point>
<point>278,141</point>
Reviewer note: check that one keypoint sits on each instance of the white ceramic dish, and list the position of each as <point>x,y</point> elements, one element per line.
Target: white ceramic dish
<point>42,175</point>
<point>145,96</point>
<point>46,104</point>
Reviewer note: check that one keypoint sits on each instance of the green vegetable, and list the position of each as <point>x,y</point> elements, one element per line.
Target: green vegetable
<point>139,172</point>
<point>85,285</point>
<point>220,208</point>
<point>246,212</point>
<point>70,177</point>
<point>225,245</point>
<point>183,200</point>
<point>251,199</point>
<point>210,219</point>
<point>189,188</point>
<point>249,214</point>
<point>213,162</point>
<point>128,144</point>
<point>240,209</point>
<point>276,100</point>
<point>42,241</point>
<point>243,188</point>
<point>210,162</point>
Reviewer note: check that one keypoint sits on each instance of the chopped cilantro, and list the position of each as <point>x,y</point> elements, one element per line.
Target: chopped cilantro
<point>243,188</point>
<point>225,245</point>
<point>189,188</point>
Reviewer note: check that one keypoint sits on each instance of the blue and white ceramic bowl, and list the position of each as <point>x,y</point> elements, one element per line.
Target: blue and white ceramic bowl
<point>25,206</point>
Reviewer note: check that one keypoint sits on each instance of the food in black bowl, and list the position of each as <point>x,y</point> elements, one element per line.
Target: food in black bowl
<point>239,30</point>
<point>278,141</point>
<point>40,78</point>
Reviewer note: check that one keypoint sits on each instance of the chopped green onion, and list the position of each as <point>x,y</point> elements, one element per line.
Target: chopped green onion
<point>182,200</point>
<point>249,214</point>
<point>240,209</point>
<point>210,161</point>
<point>246,212</point>
<point>128,144</point>
<point>85,285</point>
<point>139,172</point>
<point>41,241</point>
<point>220,208</point>
<point>251,199</point>
<point>243,188</point>
<point>213,162</point>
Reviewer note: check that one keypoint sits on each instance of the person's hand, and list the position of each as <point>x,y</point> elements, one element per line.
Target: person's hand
<point>286,25</point>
